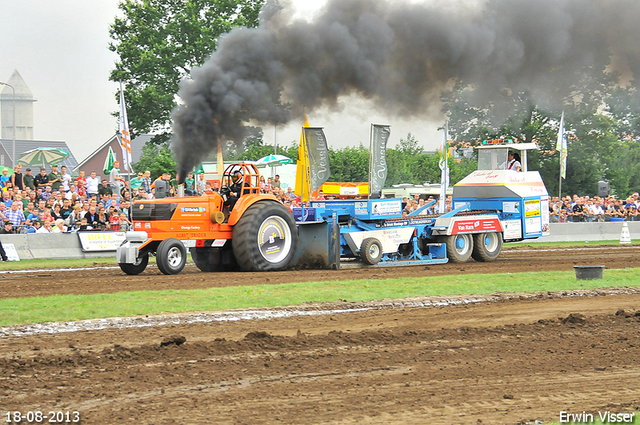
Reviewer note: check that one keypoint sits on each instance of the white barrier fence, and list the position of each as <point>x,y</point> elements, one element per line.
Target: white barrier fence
<point>56,246</point>
<point>581,232</point>
<point>103,244</point>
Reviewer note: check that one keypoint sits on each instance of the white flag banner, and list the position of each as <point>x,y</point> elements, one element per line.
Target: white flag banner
<point>125,137</point>
<point>561,145</point>
<point>444,166</point>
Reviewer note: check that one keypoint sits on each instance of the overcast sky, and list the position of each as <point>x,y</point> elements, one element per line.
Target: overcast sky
<point>60,49</point>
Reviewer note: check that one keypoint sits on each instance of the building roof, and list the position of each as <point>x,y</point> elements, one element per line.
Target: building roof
<point>137,144</point>
<point>136,148</point>
<point>22,91</point>
<point>25,145</point>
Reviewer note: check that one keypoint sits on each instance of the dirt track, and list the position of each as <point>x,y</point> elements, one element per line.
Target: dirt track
<point>521,259</point>
<point>493,363</point>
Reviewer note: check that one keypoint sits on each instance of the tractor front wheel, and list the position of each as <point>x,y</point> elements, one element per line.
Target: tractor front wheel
<point>265,238</point>
<point>171,256</point>
<point>137,267</point>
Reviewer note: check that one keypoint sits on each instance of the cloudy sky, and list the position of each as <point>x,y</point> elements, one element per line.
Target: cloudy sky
<point>60,49</point>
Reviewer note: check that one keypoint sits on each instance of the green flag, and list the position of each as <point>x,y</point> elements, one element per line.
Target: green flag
<point>108,161</point>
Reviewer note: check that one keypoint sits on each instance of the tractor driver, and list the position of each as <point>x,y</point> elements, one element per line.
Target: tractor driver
<point>235,190</point>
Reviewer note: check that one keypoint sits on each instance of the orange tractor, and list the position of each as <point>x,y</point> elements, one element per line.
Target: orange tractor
<point>249,232</point>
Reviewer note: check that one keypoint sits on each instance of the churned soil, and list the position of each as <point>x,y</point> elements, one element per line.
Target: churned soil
<point>495,363</point>
<point>509,361</point>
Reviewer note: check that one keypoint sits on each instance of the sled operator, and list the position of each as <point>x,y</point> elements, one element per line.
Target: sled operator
<point>514,162</point>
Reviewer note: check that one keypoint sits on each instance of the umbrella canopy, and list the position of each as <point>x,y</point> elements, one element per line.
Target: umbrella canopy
<point>42,156</point>
<point>274,160</point>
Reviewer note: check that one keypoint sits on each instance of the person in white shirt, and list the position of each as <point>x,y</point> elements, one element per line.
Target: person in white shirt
<point>595,209</point>
<point>71,191</point>
<point>93,182</point>
<point>115,179</point>
<point>46,228</point>
<point>66,178</point>
<point>59,227</point>
<point>514,162</point>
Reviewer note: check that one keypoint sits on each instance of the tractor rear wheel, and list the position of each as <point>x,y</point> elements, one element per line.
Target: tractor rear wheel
<point>371,251</point>
<point>214,259</point>
<point>487,246</point>
<point>459,248</point>
<point>265,238</point>
<point>137,267</point>
<point>171,256</point>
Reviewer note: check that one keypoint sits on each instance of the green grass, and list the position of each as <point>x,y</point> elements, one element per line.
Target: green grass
<point>14,311</point>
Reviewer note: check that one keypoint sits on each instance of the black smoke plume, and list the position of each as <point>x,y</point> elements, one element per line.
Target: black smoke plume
<point>400,55</point>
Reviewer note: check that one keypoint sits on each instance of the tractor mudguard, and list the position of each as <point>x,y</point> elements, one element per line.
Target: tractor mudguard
<point>244,202</point>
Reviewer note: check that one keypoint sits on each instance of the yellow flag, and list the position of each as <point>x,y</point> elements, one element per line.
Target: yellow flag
<point>220,162</point>
<point>302,172</point>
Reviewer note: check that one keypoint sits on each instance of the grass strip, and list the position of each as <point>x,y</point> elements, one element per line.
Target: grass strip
<point>16,311</point>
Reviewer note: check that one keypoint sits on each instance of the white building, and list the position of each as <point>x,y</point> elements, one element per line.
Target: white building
<point>24,109</point>
<point>24,140</point>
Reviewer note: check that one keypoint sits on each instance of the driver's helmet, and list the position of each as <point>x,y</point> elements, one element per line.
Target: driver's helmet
<point>236,176</point>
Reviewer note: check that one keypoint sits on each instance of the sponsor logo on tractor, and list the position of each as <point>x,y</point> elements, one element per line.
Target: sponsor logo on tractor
<point>186,236</point>
<point>466,226</point>
<point>192,209</point>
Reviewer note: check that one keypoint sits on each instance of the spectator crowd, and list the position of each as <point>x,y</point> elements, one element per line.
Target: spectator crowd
<point>579,209</point>
<point>56,202</point>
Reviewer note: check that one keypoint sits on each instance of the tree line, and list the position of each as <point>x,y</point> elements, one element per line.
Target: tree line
<point>407,162</point>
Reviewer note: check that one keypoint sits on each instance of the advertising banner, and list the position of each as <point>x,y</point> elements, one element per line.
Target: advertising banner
<point>318,152</point>
<point>101,241</point>
<point>378,175</point>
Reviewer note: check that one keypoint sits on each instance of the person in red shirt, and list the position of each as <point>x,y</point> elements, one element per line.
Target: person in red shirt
<point>114,218</point>
<point>81,187</point>
<point>81,178</point>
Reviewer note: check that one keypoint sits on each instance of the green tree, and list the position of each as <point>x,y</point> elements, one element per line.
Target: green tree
<point>157,159</point>
<point>290,151</point>
<point>591,149</point>
<point>158,42</point>
<point>600,120</point>
<point>461,169</point>
<point>350,164</point>
<point>252,148</point>
<point>403,162</point>
<point>623,103</point>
